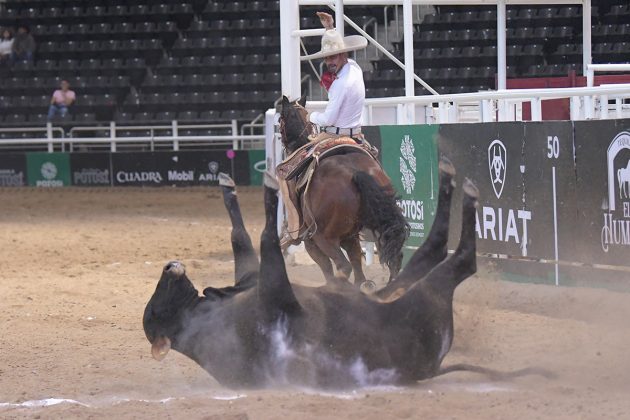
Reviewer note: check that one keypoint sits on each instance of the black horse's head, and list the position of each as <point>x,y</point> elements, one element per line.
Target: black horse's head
<point>163,314</point>
<point>294,125</point>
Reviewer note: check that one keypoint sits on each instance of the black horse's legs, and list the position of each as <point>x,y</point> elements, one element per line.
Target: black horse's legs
<point>245,259</point>
<point>434,249</point>
<point>320,258</point>
<point>353,248</point>
<point>463,263</point>
<point>333,250</point>
<point>274,290</point>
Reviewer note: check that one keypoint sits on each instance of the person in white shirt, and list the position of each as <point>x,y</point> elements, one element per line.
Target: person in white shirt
<point>6,46</point>
<point>346,92</point>
<point>342,116</point>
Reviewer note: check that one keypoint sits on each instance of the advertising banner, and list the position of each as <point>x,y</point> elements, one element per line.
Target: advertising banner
<point>48,169</point>
<point>178,168</point>
<point>90,169</point>
<point>409,156</point>
<point>602,153</point>
<point>550,192</point>
<point>12,170</point>
<point>491,155</point>
<point>257,166</point>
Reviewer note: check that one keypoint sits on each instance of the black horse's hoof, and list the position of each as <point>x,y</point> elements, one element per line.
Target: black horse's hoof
<point>226,181</point>
<point>270,181</point>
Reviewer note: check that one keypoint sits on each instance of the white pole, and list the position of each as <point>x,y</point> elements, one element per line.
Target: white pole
<point>586,36</point>
<point>175,134</point>
<point>290,49</point>
<point>586,55</point>
<point>112,136</point>
<point>536,106</point>
<point>501,45</point>
<point>409,65</point>
<point>339,17</point>
<point>49,136</point>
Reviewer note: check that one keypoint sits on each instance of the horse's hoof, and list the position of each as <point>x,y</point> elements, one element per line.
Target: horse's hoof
<point>270,181</point>
<point>471,189</point>
<point>446,166</point>
<point>226,181</point>
<point>368,287</point>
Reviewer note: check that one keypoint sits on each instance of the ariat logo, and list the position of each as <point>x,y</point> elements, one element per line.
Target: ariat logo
<point>497,162</point>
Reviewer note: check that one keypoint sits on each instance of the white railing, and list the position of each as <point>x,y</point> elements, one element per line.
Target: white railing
<point>501,105</point>
<point>172,138</point>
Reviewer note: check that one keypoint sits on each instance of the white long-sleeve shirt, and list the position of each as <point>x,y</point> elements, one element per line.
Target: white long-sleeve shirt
<point>5,46</point>
<point>345,99</point>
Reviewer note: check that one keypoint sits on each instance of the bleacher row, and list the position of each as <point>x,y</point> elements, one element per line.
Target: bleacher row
<point>212,61</point>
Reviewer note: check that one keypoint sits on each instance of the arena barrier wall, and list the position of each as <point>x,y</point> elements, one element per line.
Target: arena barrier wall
<point>139,169</point>
<point>554,196</point>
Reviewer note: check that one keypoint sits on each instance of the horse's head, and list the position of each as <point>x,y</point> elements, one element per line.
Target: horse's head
<point>294,125</point>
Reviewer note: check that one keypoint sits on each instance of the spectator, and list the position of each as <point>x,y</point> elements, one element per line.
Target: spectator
<point>23,45</point>
<point>6,43</point>
<point>61,100</point>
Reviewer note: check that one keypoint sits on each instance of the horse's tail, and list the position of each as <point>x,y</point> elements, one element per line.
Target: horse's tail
<point>380,213</point>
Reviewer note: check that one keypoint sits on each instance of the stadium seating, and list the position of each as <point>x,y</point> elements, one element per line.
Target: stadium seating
<point>542,42</point>
<point>140,61</point>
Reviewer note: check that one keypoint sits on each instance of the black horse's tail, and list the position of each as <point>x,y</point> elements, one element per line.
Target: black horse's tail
<point>380,213</point>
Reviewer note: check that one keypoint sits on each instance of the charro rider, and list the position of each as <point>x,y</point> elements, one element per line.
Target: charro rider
<point>344,82</point>
<point>342,117</point>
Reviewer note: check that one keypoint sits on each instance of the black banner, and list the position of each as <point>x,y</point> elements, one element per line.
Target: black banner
<point>12,170</point>
<point>178,168</point>
<point>491,155</point>
<point>602,154</point>
<point>550,192</point>
<point>90,169</point>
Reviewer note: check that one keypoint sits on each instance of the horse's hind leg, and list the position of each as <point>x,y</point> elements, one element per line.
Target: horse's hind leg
<point>333,250</point>
<point>245,260</point>
<point>320,258</point>
<point>353,248</point>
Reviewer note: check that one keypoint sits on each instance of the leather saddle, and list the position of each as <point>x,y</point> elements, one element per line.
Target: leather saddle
<point>297,171</point>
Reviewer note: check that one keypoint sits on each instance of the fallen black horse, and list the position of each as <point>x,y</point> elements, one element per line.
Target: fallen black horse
<point>265,331</point>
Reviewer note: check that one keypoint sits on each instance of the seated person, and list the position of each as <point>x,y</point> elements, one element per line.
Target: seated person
<point>6,44</point>
<point>23,47</point>
<point>61,100</point>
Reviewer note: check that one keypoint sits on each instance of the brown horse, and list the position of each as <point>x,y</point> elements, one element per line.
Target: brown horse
<point>347,192</point>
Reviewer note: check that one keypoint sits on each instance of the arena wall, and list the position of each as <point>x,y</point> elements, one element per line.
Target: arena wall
<point>555,196</point>
<point>139,169</point>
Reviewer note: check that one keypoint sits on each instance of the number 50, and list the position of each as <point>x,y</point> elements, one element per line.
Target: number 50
<point>553,147</point>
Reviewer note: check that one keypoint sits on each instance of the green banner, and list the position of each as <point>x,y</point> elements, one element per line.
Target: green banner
<point>257,166</point>
<point>48,169</point>
<point>410,158</point>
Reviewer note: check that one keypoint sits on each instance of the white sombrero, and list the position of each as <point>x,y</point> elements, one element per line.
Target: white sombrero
<point>333,43</point>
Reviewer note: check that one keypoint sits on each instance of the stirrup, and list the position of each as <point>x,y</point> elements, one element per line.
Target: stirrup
<point>286,240</point>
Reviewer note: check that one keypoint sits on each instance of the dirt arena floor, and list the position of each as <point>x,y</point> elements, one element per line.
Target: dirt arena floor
<point>79,266</point>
